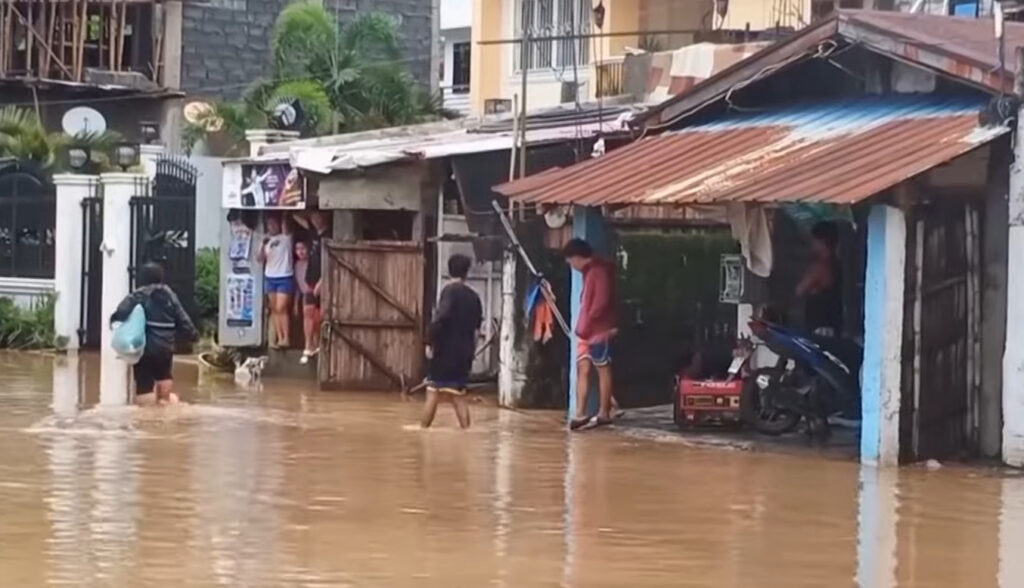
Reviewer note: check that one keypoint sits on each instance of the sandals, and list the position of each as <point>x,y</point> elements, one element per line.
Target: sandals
<point>585,424</point>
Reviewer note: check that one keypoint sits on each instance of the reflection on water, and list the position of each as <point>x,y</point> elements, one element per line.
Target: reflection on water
<point>285,486</point>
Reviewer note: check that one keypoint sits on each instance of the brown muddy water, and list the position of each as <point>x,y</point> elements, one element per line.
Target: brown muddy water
<point>285,486</point>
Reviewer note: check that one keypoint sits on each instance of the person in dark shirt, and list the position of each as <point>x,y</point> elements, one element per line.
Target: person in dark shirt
<point>165,319</point>
<point>451,343</point>
<point>311,311</point>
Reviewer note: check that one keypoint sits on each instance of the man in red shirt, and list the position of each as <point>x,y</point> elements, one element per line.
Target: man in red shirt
<point>595,328</point>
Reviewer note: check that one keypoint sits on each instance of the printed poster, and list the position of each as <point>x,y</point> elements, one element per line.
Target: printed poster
<point>263,186</point>
<point>241,244</point>
<point>240,295</point>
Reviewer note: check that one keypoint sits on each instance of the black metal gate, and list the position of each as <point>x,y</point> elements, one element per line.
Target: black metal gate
<point>27,222</point>
<point>163,223</point>
<point>90,322</point>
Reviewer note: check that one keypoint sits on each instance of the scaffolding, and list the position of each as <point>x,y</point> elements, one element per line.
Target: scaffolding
<point>68,40</point>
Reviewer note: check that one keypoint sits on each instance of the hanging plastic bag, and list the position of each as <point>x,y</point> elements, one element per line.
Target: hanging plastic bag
<point>129,340</point>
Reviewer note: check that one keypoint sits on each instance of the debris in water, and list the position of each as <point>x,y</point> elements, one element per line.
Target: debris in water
<point>933,464</point>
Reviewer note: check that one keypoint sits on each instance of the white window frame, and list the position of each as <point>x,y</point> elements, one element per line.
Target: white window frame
<point>550,18</point>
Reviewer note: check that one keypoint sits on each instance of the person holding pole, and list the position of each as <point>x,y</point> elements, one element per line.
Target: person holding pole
<point>595,329</point>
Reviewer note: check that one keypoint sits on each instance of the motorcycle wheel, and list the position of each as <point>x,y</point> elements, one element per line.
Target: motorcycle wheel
<point>767,420</point>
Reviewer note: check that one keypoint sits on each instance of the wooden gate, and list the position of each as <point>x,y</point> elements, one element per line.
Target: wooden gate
<point>940,341</point>
<point>373,315</point>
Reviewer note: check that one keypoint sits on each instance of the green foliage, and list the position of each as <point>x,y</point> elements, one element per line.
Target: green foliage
<point>23,137</point>
<point>208,288</point>
<point>28,328</point>
<point>347,78</point>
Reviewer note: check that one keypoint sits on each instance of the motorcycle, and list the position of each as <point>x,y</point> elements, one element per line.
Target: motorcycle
<point>816,378</point>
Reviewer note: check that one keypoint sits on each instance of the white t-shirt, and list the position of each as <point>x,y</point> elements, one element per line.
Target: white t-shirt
<point>278,250</point>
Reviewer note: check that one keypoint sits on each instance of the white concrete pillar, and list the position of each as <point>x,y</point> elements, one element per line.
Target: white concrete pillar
<point>1011,533</point>
<point>259,138</point>
<point>118,190</point>
<point>149,155</point>
<point>511,372</point>
<point>1013,355</point>
<point>877,517</point>
<point>883,336</point>
<point>68,255</point>
<point>66,385</point>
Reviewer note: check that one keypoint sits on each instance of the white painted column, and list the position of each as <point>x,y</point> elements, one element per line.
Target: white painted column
<point>1013,355</point>
<point>118,190</point>
<point>883,336</point>
<point>66,385</point>
<point>1011,533</point>
<point>68,255</point>
<point>510,370</point>
<point>149,155</point>
<point>877,517</point>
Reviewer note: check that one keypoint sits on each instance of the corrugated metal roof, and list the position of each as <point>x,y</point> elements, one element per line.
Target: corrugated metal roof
<point>838,152</point>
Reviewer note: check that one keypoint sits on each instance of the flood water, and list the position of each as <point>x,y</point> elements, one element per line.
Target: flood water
<point>286,486</point>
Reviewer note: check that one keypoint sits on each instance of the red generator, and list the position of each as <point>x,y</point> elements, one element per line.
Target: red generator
<point>699,403</point>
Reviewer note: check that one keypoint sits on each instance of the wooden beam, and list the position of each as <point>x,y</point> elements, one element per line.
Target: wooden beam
<point>45,70</point>
<point>35,34</point>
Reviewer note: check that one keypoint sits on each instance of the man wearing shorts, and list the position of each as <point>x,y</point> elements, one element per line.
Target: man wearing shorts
<point>594,330</point>
<point>451,340</point>
<point>314,273</point>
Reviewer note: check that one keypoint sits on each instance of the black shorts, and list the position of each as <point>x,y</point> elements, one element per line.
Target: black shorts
<point>152,368</point>
<point>310,299</point>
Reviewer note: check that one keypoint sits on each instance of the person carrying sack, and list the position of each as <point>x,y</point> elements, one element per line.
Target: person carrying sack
<point>165,319</point>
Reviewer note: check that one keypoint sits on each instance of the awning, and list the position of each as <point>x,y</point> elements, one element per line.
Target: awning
<point>837,152</point>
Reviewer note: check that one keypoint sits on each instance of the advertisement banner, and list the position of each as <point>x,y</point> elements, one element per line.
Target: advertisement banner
<point>263,186</point>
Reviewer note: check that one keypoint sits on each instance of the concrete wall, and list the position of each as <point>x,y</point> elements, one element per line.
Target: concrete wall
<point>226,43</point>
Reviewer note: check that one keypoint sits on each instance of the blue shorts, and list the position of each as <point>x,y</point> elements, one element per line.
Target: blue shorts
<point>599,354</point>
<point>279,285</point>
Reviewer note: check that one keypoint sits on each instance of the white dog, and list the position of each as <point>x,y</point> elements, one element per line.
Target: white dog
<point>250,371</point>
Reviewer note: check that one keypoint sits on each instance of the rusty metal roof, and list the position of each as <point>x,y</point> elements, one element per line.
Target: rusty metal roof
<point>837,152</point>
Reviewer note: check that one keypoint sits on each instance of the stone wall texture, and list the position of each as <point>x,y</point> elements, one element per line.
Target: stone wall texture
<point>226,43</point>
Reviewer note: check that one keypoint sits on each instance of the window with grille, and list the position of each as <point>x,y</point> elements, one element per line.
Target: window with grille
<point>540,19</point>
<point>460,68</point>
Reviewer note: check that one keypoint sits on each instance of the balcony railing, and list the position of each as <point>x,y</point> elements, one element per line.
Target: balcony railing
<point>610,77</point>
<point>85,41</point>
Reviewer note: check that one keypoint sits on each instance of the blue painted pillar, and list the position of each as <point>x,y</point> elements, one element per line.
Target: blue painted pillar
<point>588,224</point>
<point>883,336</point>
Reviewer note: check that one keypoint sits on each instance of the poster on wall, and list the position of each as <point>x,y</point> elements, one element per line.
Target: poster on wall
<point>263,186</point>
<point>240,294</point>
<point>241,244</point>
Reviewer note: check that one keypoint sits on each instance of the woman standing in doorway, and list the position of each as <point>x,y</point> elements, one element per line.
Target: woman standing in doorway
<point>278,269</point>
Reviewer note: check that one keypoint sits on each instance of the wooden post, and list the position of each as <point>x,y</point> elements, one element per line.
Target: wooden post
<point>1013,357</point>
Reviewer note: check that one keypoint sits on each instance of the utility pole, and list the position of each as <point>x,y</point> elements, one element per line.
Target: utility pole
<point>1013,355</point>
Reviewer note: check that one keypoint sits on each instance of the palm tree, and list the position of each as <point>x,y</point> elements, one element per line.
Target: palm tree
<point>346,77</point>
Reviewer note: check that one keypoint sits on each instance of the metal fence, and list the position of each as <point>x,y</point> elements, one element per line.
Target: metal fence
<point>27,220</point>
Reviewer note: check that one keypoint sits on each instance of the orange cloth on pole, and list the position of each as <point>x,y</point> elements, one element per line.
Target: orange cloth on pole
<point>543,320</point>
